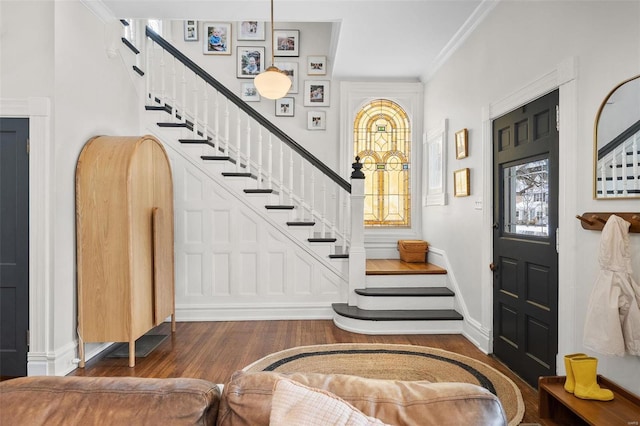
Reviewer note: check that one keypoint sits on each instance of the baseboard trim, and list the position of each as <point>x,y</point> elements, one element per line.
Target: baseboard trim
<point>253,313</point>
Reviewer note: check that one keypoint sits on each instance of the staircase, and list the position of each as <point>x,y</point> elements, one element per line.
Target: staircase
<point>401,298</point>
<point>618,168</point>
<point>310,215</point>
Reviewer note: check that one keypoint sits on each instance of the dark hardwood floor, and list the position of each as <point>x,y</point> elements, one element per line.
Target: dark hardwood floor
<point>214,350</point>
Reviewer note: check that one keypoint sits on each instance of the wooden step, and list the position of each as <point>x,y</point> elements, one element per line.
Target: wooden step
<point>405,292</point>
<point>398,267</point>
<point>279,207</point>
<point>260,191</point>
<point>397,314</point>
<point>322,240</point>
<point>302,223</point>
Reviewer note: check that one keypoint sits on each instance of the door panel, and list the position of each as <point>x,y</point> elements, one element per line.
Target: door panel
<point>525,296</point>
<point>14,246</point>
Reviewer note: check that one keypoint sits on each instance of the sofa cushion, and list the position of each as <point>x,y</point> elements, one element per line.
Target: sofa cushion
<point>296,404</point>
<point>108,401</point>
<point>247,399</point>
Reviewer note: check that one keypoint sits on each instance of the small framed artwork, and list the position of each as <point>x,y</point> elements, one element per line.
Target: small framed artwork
<point>316,65</point>
<point>462,144</point>
<point>217,38</point>
<point>250,30</point>
<point>287,42</point>
<point>461,183</point>
<point>249,92</point>
<point>285,107</point>
<point>291,70</point>
<point>190,30</point>
<point>250,61</point>
<point>316,92</point>
<point>316,120</point>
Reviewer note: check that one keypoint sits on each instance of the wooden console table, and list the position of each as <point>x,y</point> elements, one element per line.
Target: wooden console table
<point>559,407</point>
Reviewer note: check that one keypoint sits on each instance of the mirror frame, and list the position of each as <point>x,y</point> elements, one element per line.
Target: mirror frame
<point>595,144</point>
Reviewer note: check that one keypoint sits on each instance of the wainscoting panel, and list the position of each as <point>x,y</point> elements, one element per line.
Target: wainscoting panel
<point>234,260</point>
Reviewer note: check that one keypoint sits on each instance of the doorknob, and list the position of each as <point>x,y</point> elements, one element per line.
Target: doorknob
<point>493,266</point>
<point>496,225</point>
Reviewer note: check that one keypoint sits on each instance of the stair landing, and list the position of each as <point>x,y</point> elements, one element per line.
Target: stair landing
<point>398,267</point>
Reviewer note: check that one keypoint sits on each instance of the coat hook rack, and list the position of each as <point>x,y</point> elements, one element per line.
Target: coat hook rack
<point>595,221</point>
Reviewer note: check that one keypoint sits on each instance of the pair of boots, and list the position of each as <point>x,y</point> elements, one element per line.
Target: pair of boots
<point>582,378</point>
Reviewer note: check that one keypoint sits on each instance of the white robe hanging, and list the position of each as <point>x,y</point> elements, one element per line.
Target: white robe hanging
<point>612,324</point>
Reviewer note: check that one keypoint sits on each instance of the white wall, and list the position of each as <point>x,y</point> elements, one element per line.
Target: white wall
<point>49,51</point>
<point>519,43</point>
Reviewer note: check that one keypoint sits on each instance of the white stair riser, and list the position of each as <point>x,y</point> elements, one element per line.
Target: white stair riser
<point>398,327</point>
<point>261,200</point>
<point>377,281</point>
<point>218,166</point>
<point>281,216</point>
<point>240,183</point>
<point>404,302</point>
<point>299,232</point>
<point>323,249</point>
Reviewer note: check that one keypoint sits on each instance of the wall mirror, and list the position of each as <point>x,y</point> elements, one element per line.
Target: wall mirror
<point>617,143</point>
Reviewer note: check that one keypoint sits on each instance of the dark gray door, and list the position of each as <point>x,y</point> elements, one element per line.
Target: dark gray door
<point>14,246</point>
<point>525,284</point>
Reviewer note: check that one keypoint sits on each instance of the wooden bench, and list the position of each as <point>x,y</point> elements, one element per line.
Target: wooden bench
<point>559,407</point>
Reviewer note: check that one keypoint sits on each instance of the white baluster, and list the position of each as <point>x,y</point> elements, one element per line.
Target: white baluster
<point>227,125</point>
<point>623,170</point>
<point>635,158</point>
<point>238,140</point>
<point>174,86</point>
<point>163,78</point>
<point>302,214</point>
<point>281,176</point>
<point>291,176</point>
<point>324,207</point>
<point>603,179</point>
<point>148,96</point>
<point>312,196</point>
<point>270,163</point>
<point>194,91</point>
<point>259,157</point>
<point>248,144</point>
<point>183,90</point>
<point>205,110</point>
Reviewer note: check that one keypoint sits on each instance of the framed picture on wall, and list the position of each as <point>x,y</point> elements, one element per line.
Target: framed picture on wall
<point>249,92</point>
<point>287,42</point>
<point>190,30</point>
<point>461,183</point>
<point>316,93</point>
<point>316,65</point>
<point>291,70</point>
<point>285,107</point>
<point>217,38</point>
<point>250,61</point>
<point>250,30</point>
<point>316,120</point>
<point>462,144</point>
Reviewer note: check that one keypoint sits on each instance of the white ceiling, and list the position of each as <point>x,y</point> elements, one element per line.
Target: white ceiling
<point>372,40</point>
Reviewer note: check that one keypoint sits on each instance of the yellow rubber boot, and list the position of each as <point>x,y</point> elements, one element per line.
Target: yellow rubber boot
<point>569,383</point>
<point>586,382</point>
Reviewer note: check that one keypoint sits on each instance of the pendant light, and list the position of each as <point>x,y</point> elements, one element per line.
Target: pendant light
<point>272,83</point>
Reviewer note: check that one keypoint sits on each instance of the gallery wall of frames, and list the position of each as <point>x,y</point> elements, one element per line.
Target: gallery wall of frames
<point>247,41</point>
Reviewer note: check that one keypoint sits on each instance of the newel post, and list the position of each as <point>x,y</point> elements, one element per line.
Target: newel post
<point>357,254</point>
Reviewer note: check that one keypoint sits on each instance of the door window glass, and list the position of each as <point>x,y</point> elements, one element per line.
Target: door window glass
<point>526,198</point>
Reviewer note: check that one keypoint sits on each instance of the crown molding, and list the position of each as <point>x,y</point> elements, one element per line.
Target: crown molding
<point>99,9</point>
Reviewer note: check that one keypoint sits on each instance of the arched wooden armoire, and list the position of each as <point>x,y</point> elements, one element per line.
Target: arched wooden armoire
<point>124,224</point>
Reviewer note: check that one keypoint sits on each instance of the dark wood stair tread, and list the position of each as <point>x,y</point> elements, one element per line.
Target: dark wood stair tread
<point>172,124</point>
<point>406,291</point>
<point>398,267</point>
<point>302,223</point>
<point>322,240</point>
<point>339,256</point>
<point>259,191</point>
<point>397,314</point>
<point>216,157</point>
<point>279,207</point>
<point>238,174</point>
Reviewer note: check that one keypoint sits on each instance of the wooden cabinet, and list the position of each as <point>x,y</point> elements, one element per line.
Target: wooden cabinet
<point>124,225</point>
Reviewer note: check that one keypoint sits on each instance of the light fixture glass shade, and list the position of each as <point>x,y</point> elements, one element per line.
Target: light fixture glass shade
<point>272,83</point>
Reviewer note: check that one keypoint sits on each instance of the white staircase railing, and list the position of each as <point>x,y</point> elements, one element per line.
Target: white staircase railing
<point>619,169</point>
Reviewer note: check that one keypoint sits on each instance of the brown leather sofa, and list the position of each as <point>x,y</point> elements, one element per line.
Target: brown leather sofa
<point>245,400</point>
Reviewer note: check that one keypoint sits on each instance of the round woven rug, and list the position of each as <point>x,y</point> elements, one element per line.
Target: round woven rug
<point>397,362</point>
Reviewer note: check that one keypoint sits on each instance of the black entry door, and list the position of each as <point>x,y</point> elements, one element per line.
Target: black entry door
<point>14,246</point>
<point>525,283</point>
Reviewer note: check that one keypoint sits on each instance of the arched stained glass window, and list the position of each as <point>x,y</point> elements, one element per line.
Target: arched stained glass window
<point>382,139</point>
